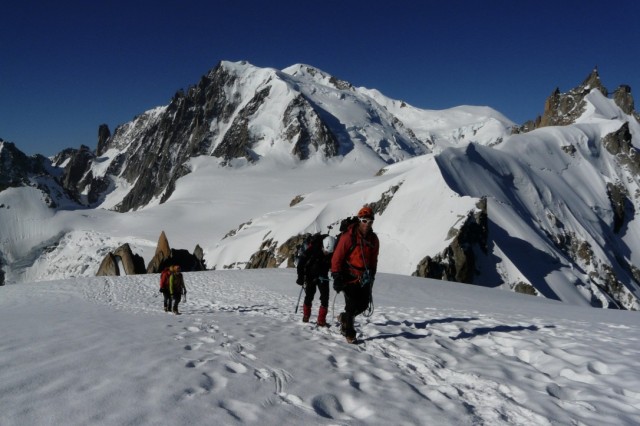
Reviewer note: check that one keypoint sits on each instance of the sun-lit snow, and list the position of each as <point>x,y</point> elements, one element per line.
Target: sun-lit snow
<point>98,350</point>
<point>101,351</point>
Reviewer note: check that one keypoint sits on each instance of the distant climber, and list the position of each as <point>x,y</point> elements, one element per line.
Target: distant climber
<point>313,272</point>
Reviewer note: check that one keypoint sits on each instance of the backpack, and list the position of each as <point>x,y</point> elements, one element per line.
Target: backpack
<point>164,278</point>
<point>345,224</point>
<point>310,241</point>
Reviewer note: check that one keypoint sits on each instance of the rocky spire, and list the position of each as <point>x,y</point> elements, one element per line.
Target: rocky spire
<point>622,97</point>
<point>592,82</point>
<point>561,109</point>
<point>103,136</point>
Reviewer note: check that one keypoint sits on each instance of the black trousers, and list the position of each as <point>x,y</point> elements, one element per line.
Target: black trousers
<point>176,299</point>
<point>356,298</point>
<point>310,291</point>
<point>167,299</point>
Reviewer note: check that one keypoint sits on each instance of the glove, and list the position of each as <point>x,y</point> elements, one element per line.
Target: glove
<point>338,284</point>
<point>160,290</point>
<point>300,281</point>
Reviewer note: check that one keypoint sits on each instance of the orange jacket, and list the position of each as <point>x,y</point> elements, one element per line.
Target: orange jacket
<point>354,253</point>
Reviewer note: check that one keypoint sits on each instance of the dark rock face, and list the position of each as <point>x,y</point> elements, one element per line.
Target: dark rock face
<point>621,205</point>
<point>188,261</point>
<point>73,178</point>
<point>103,136</point>
<point>265,257</point>
<point>622,97</point>
<point>457,262</point>
<point>198,254</point>
<point>299,120</point>
<point>238,140</point>
<point>619,143</point>
<point>17,168</point>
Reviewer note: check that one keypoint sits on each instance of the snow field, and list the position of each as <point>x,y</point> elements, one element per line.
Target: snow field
<point>101,350</point>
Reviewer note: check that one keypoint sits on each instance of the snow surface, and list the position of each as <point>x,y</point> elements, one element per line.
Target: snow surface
<point>101,351</point>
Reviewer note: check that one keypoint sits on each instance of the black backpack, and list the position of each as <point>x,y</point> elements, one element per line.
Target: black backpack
<point>345,224</point>
<point>310,242</point>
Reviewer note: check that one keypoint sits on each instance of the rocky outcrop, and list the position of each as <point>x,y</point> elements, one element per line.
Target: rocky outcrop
<point>103,137</point>
<point>306,131</point>
<point>562,109</point>
<point>619,143</point>
<point>622,97</point>
<point>269,255</point>
<point>621,205</point>
<point>109,266</point>
<point>166,256</point>
<point>188,261</point>
<point>458,261</point>
<point>132,263</point>
<point>162,255</point>
<point>73,178</point>
<point>265,257</point>
<point>17,168</point>
<point>198,254</point>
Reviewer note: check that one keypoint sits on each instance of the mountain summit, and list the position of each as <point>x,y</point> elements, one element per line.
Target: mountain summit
<point>248,160</point>
<point>241,114</point>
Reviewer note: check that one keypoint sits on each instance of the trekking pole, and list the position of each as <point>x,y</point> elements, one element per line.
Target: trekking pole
<point>299,296</point>
<point>333,308</point>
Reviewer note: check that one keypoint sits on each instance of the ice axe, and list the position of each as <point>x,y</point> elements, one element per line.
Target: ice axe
<point>299,296</point>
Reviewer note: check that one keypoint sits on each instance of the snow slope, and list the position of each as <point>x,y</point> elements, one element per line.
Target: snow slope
<point>101,351</point>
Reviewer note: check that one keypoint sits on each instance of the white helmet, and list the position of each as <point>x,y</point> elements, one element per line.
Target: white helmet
<point>328,244</point>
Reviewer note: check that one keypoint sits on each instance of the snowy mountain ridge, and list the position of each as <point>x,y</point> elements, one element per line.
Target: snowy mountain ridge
<point>458,197</point>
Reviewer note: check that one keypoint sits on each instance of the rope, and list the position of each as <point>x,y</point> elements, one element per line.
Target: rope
<point>369,312</point>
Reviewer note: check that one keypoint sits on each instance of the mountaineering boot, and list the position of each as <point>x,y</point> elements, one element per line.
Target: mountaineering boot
<point>306,313</point>
<point>322,317</point>
<point>349,331</point>
<point>343,323</point>
<point>175,311</point>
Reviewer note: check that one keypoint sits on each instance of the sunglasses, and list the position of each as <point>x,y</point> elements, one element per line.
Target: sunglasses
<point>365,220</point>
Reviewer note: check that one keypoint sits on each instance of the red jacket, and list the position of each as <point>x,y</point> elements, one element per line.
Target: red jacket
<point>354,253</point>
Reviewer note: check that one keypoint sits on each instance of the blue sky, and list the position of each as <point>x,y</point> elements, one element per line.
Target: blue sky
<point>66,67</point>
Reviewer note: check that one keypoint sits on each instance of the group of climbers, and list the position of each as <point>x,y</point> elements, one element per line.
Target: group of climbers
<point>353,262</point>
<point>172,287</point>
<point>352,259</point>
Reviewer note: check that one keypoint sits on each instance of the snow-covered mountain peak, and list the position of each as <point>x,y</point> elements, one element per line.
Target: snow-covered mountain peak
<point>317,76</point>
<point>457,196</point>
